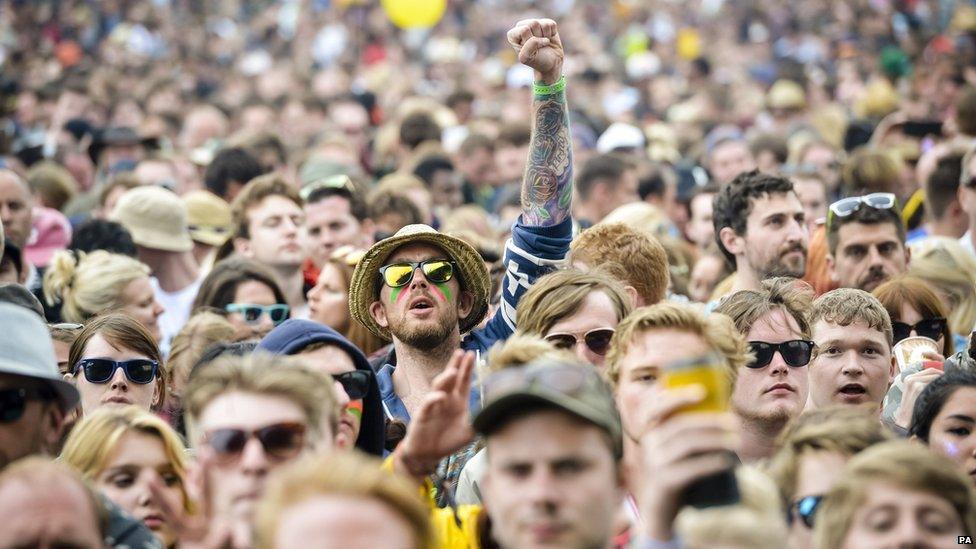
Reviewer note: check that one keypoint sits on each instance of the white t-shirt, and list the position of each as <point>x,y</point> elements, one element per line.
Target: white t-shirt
<point>177,305</point>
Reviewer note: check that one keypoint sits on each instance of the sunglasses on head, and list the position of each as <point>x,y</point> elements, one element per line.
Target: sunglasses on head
<point>101,370</point>
<point>252,313</point>
<point>597,341</point>
<point>396,275</point>
<point>795,353</point>
<point>847,206</point>
<point>280,441</point>
<point>932,328</point>
<point>13,402</point>
<point>805,509</point>
<point>355,383</point>
<point>341,181</point>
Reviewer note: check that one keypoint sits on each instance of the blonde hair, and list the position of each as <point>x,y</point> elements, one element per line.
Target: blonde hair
<point>846,430</point>
<point>200,332</point>
<point>95,439</point>
<point>629,254</point>
<point>399,182</point>
<point>561,294</point>
<point>716,330</point>
<point>521,349</point>
<point>342,474</point>
<point>755,522</point>
<point>286,377</point>
<point>789,295</point>
<point>89,284</point>
<point>949,268</point>
<point>902,464</point>
<point>845,306</point>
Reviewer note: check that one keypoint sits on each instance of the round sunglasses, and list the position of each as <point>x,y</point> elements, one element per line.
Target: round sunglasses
<point>101,370</point>
<point>252,313</point>
<point>397,275</point>
<point>355,383</point>
<point>280,441</point>
<point>597,341</point>
<point>932,328</point>
<point>795,353</point>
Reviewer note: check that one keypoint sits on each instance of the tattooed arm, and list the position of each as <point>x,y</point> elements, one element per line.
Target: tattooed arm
<point>547,189</point>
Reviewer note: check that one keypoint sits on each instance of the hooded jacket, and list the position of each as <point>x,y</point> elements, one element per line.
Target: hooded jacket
<point>294,335</point>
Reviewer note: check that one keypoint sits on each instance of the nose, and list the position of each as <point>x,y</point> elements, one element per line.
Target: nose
<point>910,533</point>
<point>852,367</point>
<point>313,294</point>
<point>583,352</point>
<point>418,278</point>
<point>158,308</point>
<point>540,490</point>
<point>874,256</point>
<point>253,459</point>
<point>266,324</point>
<point>119,381</point>
<point>778,365</point>
<point>341,395</point>
<point>144,496</point>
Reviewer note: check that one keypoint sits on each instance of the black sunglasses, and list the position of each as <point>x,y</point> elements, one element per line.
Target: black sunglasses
<point>805,509</point>
<point>597,340</point>
<point>932,328</point>
<point>355,383</point>
<point>280,440</point>
<point>13,402</point>
<point>100,370</point>
<point>795,353</point>
<point>397,275</point>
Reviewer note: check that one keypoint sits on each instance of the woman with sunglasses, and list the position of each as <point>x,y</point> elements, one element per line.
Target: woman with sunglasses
<point>115,362</point>
<point>137,461</point>
<point>248,293</point>
<point>945,419</point>
<point>575,311</point>
<point>361,423</point>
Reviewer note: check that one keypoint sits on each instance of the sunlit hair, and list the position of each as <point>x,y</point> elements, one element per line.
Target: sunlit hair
<point>789,295</point>
<point>341,475</point>
<point>520,349</point>
<point>950,269</point>
<point>559,295</point>
<point>633,257</point>
<point>845,306</point>
<point>122,332</point>
<point>898,464</point>
<point>253,194</point>
<point>717,331</point>
<point>96,438</point>
<point>904,290</point>
<point>845,430</point>
<point>89,284</point>
<point>286,377</point>
<point>200,332</point>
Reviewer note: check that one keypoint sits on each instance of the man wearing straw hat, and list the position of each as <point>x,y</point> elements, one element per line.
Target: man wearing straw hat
<point>424,290</point>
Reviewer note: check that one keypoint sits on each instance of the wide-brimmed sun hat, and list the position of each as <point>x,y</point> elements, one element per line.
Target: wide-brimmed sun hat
<point>365,280</point>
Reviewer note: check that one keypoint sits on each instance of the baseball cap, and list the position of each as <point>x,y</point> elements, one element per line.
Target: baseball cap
<point>620,136</point>
<point>52,232</point>
<point>208,217</point>
<point>574,388</point>
<point>156,218</point>
<point>26,350</point>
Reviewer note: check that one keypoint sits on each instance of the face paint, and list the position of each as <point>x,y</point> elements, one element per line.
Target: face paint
<point>396,293</point>
<point>444,293</point>
<point>355,408</point>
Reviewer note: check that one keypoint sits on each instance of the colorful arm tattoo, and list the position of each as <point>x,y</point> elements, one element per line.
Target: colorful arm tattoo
<point>547,189</point>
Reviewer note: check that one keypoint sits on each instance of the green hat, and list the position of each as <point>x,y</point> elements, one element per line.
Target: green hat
<point>574,388</point>
<point>474,275</point>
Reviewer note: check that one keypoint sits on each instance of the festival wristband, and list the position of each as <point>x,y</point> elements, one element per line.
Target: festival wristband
<point>542,89</point>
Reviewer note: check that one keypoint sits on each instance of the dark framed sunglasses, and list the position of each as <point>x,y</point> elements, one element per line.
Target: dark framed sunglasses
<point>932,328</point>
<point>397,275</point>
<point>355,383</point>
<point>805,509</point>
<point>100,370</point>
<point>252,313</point>
<point>280,441</point>
<point>795,353</point>
<point>13,402</point>
<point>847,206</point>
<point>597,341</point>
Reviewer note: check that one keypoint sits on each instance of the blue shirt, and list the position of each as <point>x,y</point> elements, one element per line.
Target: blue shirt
<point>532,252</point>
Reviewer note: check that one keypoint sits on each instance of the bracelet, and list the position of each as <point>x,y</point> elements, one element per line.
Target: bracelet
<point>542,89</point>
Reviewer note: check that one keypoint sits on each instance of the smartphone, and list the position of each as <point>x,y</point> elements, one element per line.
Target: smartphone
<point>710,372</point>
<point>921,128</point>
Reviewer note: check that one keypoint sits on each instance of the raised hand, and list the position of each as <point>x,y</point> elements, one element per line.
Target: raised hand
<point>539,46</point>
<point>442,423</point>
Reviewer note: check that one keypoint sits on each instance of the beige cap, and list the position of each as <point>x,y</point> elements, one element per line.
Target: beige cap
<point>786,94</point>
<point>155,217</point>
<point>208,217</point>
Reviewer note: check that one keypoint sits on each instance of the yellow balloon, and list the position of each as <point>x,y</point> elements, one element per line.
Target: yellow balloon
<point>409,14</point>
<point>689,43</point>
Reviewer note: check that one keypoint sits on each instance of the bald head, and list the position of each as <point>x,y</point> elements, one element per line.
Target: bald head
<point>45,504</point>
<point>16,204</point>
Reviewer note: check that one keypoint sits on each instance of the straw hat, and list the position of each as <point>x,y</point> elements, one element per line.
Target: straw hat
<point>155,217</point>
<point>363,288</point>
<point>208,217</point>
<point>786,94</point>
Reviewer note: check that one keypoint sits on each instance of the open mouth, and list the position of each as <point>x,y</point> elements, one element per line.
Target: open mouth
<point>853,389</point>
<point>421,304</point>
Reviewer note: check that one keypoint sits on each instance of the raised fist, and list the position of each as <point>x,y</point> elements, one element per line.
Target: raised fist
<point>538,45</point>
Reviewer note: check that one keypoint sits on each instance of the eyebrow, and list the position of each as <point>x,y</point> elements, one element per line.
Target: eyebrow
<point>963,418</point>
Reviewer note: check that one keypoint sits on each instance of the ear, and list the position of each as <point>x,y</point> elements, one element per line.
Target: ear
<point>242,246</point>
<point>635,297</point>
<point>908,256</point>
<point>892,370</point>
<point>378,312</point>
<point>830,268</point>
<point>54,422</point>
<point>157,401</point>
<point>732,242</point>
<point>465,304</point>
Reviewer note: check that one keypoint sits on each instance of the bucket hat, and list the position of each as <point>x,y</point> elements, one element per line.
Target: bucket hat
<point>26,350</point>
<point>208,217</point>
<point>155,217</point>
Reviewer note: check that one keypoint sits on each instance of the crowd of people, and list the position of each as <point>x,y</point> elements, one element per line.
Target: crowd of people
<point>570,274</point>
